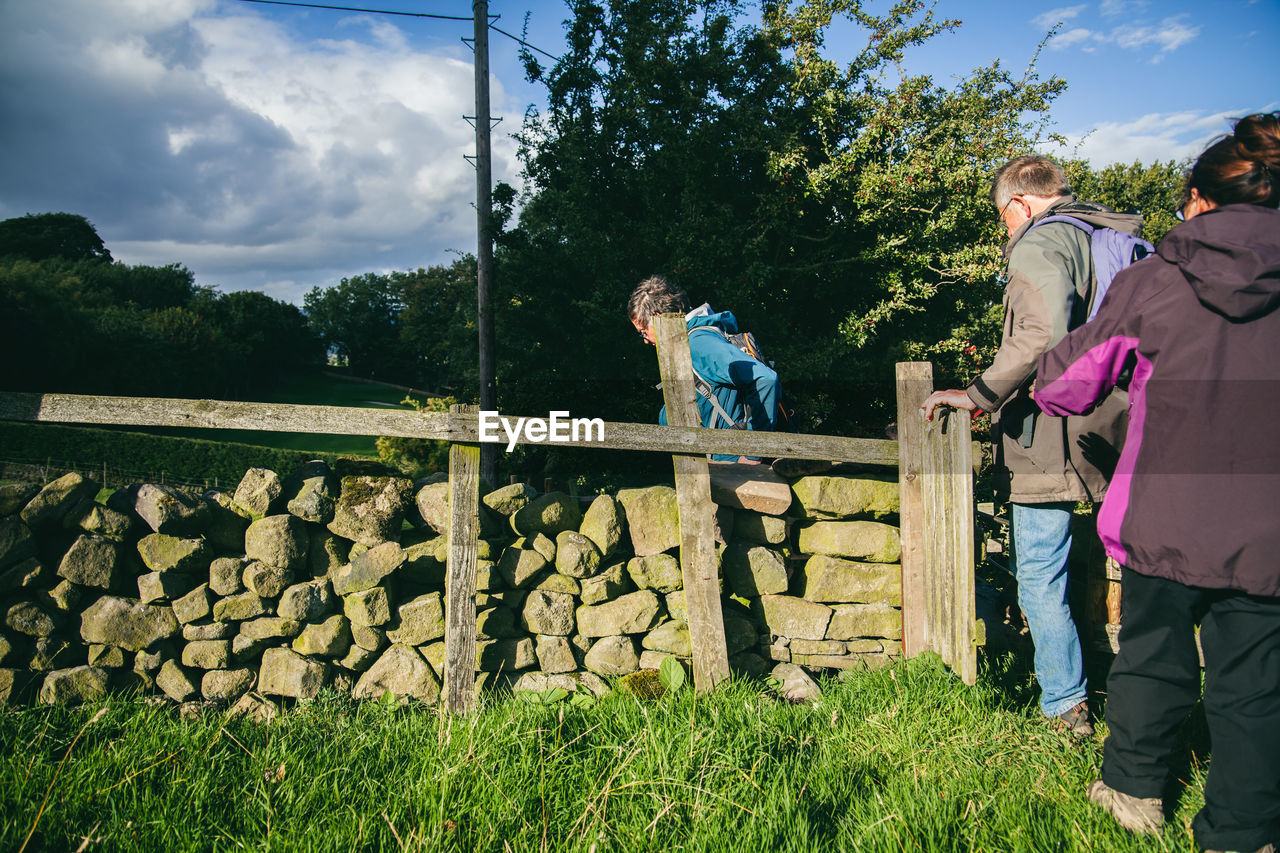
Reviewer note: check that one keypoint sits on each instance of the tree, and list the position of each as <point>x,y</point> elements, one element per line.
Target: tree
<point>840,211</point>
<point>1154,190</point>
<point>41,236</point>
<point>358,320</point>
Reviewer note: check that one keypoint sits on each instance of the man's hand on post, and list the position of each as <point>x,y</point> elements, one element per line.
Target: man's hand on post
<point>954,398</point>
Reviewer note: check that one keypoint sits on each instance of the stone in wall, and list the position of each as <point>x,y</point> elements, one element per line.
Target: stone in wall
<point>92,561</point>
<point>418,621</point>
<point>284,672</point>
<point>227,522</point>
<point>169,510</point>
<point>658,572</point>
<point>851,621</point>
<point>226,685</point>
<point>829,579</point>
<point>754,570</point>
<point>265,580</point>
<point>611,582</point>
<point>371,507</point>
<point>52,503</point>
<point>126,623</point>
<point>549,515</point>
<point>793,617</point>
<point>163,553</point>
<point>77,684</point>
<point>95,518</point>
<point>846,497</point>
<point>759,528</point>
<point>369,569</point>
<point>576,555</point>
<point>864,541</point>
<point>519,565</point>
<point>548,613</point>
<point>604,524</point>
<point>258,490</point>
<point>653,519</point>
<point>509,500</point>
<point>634,613</point>
<point>670,637</point>
<point>330,638</point>
<point>278,540</point>
<point>311,492</point>
<point>16,542</point>
<point>613,656</point>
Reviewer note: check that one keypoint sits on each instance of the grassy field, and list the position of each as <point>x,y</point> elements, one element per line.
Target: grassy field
<point>902,759</point>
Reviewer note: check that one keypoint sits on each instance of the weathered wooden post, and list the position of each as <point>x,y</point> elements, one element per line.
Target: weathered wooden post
<point>460,580</point>
<point>947,483</point>
<point>914,382</point>
<point>697,512</point>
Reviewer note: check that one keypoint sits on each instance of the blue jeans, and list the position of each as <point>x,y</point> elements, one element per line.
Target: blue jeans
<point>1041,542</point>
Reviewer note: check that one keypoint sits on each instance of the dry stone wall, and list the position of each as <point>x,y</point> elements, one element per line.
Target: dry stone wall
<point>335,578</point>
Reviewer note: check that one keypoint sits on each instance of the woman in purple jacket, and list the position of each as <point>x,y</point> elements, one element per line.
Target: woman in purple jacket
<point>1193,512</point>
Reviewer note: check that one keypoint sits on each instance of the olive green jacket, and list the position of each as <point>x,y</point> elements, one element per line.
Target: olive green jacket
<point>1050,282</point>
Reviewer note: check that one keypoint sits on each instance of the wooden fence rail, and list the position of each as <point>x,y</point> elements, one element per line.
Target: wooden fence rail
<point>934,462</point>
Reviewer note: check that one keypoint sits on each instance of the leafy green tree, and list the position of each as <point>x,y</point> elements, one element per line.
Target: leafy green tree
<point>358,320</point>
<point>1153,190</point>
<point>40,236</point>
<point>438,326</point>
<point>840,210</point>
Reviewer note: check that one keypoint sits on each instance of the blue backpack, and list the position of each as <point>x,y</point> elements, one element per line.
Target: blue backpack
<point>1112,251</point>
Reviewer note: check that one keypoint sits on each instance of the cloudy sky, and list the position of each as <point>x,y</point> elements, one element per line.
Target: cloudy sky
<point>278,148</point>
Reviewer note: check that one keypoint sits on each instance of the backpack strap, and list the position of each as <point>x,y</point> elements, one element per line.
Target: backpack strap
<point>705,390</point>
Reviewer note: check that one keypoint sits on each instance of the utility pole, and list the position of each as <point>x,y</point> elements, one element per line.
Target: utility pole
<point>484,244</point>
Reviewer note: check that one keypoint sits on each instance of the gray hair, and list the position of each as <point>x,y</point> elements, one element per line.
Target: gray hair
<point>1029,175</point>
<point>656,295</point>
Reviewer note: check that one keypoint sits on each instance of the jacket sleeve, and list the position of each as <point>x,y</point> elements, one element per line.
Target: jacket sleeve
<point>1077,373</point>
<point>1044,267</point>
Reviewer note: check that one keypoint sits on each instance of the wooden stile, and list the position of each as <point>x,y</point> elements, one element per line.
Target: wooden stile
<point>460,580</point>
<point>947,481</point>
<point>914,384</point>
<point>697,512</point>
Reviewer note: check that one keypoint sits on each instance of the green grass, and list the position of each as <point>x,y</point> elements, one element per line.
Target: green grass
<point>900,759</point>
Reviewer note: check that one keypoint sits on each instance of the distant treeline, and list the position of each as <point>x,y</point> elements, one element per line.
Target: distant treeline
<point>74,320</point>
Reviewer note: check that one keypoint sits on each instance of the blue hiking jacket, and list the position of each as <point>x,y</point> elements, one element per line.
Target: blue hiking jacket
<point>734,376</point>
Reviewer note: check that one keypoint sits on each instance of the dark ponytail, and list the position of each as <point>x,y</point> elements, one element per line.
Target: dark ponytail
<point>1243,167</point>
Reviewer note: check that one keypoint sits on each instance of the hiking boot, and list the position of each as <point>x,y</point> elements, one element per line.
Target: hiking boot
<point>1133,813</point>
<point>1075,722</point>
<point>1266,848</point>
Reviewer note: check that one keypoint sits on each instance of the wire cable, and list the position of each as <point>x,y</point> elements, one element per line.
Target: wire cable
<point>355,9</point>
<point>514,38</point>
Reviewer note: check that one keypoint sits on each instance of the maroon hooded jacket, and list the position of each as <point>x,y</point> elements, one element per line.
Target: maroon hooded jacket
<point>1196,492</point>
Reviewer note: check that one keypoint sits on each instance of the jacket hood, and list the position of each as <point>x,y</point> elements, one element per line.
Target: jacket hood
<point>704,316</point>
<point>1231,258</point>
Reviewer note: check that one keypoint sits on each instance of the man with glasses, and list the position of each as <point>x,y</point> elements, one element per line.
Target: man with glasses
<point>1050,464</point>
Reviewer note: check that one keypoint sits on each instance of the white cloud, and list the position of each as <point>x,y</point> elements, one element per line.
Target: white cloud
<point>1112,8</point>
<point>228,143</point>
<point>1055,16</point>
<point>1171,34</point>
<point>1152,137</point>
<point>1079,35</point>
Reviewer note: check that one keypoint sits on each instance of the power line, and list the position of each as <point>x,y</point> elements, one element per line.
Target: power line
<point>514,38</point>
<point>354,9</point>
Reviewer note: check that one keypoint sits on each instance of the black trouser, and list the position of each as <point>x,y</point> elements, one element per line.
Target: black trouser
<point>1155,682</point>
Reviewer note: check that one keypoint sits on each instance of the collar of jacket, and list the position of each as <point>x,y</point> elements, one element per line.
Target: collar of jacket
<point>1026,226</point>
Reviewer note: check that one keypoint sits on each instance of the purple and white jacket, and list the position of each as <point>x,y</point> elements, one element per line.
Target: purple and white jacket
<point>1196,493</point>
